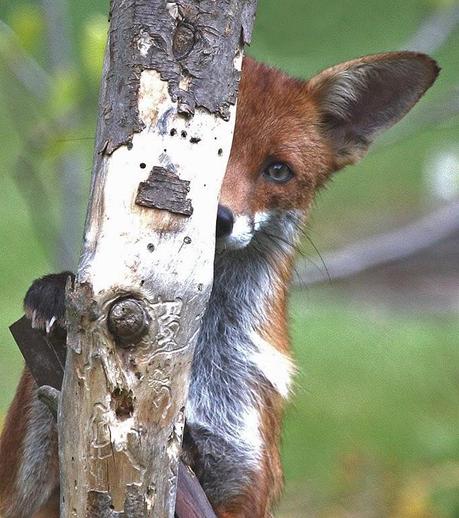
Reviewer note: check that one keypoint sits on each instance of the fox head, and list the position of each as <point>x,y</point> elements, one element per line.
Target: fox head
<point>291,135</point>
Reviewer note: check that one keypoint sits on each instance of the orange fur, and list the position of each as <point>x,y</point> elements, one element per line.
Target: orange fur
<point>280,119</point>
<point>274,121</point>
<point>11,450</point>
<point>13,434</point>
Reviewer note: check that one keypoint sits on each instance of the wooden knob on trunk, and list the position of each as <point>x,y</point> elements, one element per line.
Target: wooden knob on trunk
<point>127,321</point>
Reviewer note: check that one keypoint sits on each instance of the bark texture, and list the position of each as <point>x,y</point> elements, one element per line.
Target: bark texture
<point>190,43</point>
<point>166,119</point>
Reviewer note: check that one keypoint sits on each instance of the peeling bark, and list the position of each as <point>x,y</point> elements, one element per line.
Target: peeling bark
<point>165,190</point>
<point>191,44</point>
<point>167,106</point>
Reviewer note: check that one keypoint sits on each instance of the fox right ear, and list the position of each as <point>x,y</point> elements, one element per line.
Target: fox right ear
<point>359,99</point>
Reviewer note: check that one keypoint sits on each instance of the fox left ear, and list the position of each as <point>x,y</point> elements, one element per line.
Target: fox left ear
<point>359,99</point>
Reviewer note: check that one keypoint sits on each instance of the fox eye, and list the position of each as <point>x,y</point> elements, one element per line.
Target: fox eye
<point>278,172</point>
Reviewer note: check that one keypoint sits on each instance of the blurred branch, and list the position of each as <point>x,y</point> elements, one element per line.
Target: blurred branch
<point>358,257</point>
<point>435,30</point>
<point>39,84</point>
<point>383,248</point>
<point>431,35</point>
<point>70,166</point>
<point>57,18</point>
<point>26,70</point>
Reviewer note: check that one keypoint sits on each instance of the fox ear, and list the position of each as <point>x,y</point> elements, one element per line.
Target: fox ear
<point>359,99</point>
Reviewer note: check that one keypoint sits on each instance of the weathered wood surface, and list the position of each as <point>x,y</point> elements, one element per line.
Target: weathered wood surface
<point>45,358</point>
<point>145,274</point>
<point>191,499</point>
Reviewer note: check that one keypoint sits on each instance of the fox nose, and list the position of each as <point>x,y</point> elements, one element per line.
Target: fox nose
<point>225,221</point>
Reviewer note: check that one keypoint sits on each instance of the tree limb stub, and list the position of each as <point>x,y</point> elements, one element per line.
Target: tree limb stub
<point>145,274</point>
<point>41,353</point>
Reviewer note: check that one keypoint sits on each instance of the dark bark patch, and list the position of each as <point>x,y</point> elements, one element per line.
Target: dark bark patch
<point>100,504</point>
<point>165,190</point>
<point>199,41</point>
<point>122,402</point>
<point>184,40</point>
<point>44,356</point>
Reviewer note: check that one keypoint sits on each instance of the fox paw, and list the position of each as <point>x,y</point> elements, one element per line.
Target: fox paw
<point>44,303</point>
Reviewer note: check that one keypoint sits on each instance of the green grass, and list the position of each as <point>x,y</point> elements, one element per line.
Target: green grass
<point>376,402</point>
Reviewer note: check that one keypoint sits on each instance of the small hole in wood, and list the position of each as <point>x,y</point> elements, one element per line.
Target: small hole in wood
<point>173,132</point>
<point>220,152</point>
<point>184,134</point>
<point>151,247</point>
<point>143,165</point>
<point>122,402</point>
<point>195,140</point>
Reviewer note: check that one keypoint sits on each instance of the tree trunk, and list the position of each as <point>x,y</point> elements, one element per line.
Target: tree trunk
<point>166,118</point>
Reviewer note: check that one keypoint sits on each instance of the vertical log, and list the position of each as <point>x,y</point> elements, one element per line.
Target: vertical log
<point>166,117</point>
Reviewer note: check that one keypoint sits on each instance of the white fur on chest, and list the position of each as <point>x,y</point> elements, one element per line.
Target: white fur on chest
<point>275,366</point>
<point>233,364</point>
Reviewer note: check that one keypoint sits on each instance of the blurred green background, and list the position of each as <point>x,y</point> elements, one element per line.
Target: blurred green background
<point>373,430</point>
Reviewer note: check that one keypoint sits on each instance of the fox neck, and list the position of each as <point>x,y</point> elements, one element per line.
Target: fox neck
<point>241,355</point>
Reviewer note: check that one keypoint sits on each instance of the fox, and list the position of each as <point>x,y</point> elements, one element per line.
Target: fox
<point>290,137</point>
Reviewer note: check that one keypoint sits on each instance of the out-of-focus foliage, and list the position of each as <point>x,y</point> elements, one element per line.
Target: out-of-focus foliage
<point>373,424</point>
<point>65,92</point>
<point>372,430</point>
<point>27,22</point>
<point>92,44</point>
<point>440,3</point>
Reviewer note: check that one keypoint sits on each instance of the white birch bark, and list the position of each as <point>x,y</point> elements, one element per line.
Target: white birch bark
<point>145,273</point>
